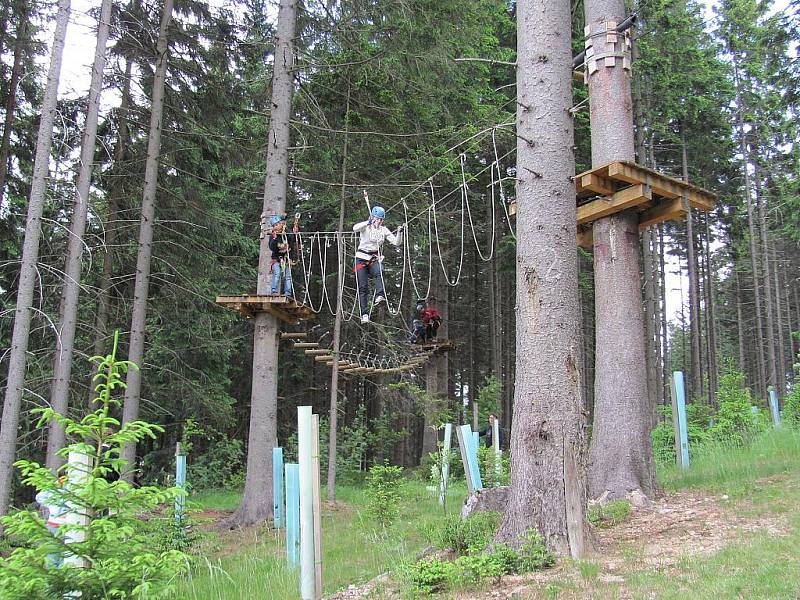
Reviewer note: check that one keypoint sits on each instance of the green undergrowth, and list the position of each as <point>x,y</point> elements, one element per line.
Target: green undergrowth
<point>736,469</point>
<point>356,547</point>
<point>609,515</point>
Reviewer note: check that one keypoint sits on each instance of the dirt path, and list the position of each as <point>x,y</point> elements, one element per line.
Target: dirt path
<point>686,523</point>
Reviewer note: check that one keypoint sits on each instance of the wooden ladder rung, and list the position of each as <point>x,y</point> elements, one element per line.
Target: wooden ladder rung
<point>294,335</point>
<point>306,345</point>
<point>317,352</point>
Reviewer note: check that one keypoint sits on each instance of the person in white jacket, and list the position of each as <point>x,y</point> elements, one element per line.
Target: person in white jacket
<point>369,258</point>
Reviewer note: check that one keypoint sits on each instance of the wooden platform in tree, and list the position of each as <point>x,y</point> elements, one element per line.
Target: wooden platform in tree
<point>436,347</point>
<point>620,186</point>
<point>285,309</point>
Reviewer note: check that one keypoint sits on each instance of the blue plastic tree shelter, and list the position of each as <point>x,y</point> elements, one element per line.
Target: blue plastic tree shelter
<point>679,419</point>
<point>277,488</point>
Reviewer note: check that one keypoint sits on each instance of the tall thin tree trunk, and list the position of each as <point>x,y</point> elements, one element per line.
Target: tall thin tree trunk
<point>621,453</point>
<point>11,99</point>
<point>772,367</point>
<point>649,323</point>
<point>548,434</point>
<point>740,322</point>
<point>68,318</point>
<point>711,313</point>
<point>130,408</point>
<point>256,504</point>
<point>696,389</point>
<point>114,199</point>
<point>435,370</point>
<point>780,365</point>
<point>337,325</point>
<point>15,384</point>
<point>748,195</point>
<point>662,288</point>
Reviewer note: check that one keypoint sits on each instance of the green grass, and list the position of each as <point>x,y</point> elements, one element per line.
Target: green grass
<point>762,478</point>
<point>734,469</point>
<point>355,549</point>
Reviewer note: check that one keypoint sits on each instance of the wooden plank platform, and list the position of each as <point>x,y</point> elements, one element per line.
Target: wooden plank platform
<point>436,347</point>
<point>285,309</point>
<point>623,185</point>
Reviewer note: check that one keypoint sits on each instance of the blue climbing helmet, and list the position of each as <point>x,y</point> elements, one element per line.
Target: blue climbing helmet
<point>275,219</point>
<point>378,212</point>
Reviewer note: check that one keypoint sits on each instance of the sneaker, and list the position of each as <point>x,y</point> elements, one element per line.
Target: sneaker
<point>379,300</point>
<point>365,318</point>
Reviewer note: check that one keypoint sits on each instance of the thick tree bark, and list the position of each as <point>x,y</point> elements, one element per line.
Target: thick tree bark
<point>548,433</point>
<point>15,383</point>
<point>130,408</point>
<point>337,325</point>
<point>256,504</point>
<point>68,318</point>
<point>621,454</point>
<point>696,388</point>
<point>11,98</point>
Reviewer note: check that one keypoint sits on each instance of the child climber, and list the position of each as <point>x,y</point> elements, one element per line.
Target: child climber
<point>281,244</point>
<point>369,258</point>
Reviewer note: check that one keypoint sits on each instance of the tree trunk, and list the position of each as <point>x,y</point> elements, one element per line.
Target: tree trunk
<point>780,366</point>
<point>662,288</point>
<point>114,199</point>
<point>256,504</point>
<point>62,362</point>
<point>696,389</point>
<point>436,370</point>
<point>337,326</point>
<point>650,334</point>
<point>130,408</point>
<point>11,99</point>
<point>772,367</point>
<point>740,323</point>
<point>15,383</point>
<point>621,454</point>
<point>711,312</point>
<point>548,433</point>
<point>762,376</point>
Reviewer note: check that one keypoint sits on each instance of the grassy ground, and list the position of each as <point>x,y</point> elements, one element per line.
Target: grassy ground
<point>355,548</point>
<point>752,492</point>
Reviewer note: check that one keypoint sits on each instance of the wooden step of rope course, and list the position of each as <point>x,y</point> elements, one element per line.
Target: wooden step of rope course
<point>317,351</point>
<point>627,186</point>
<point>305,345</point>
<point>293,335</point>
<point>286,309</point>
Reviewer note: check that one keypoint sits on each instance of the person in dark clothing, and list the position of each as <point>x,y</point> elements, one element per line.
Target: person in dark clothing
<point>281,243</point>
<point>488,433</point>
<point>426,324</point>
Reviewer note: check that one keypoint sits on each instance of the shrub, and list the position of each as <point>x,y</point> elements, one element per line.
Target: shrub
<point>472,534</point>
<point>734,421</point>
<point>533,554</point>
<point>429,576</point>
<point>609,515</point>
<point>487,464</point>
<point>121,559</point>
<point>791,403</point>
<point>436,575</point>
<point>219,467</point>
<point>383,493</point>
